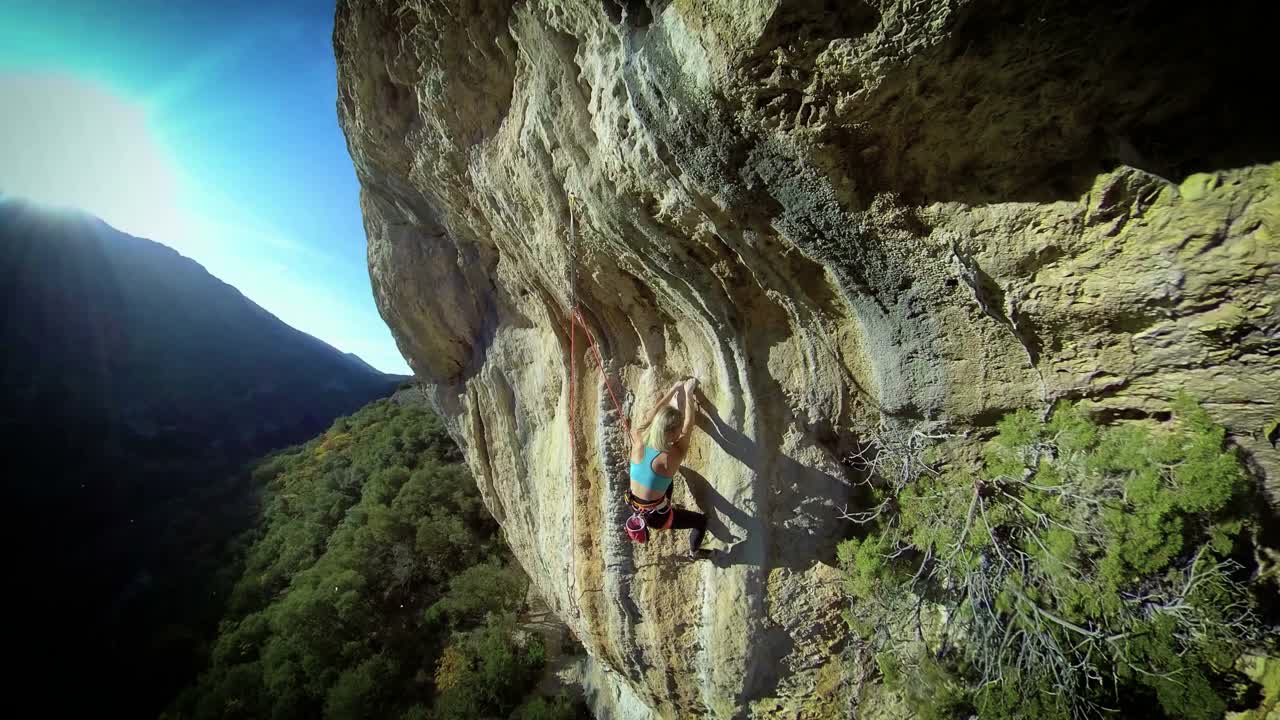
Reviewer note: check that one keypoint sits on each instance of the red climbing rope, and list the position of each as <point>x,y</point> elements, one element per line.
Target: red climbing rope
<point>604,373</point>
<point>573,398</point>
<point>576,320</point>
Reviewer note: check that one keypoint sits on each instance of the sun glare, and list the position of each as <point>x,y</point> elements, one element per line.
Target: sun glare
<point>70,143</point>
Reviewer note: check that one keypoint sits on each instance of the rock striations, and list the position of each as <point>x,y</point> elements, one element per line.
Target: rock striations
<point>846,218</point>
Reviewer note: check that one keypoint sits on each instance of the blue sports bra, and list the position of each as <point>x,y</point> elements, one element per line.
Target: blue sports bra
<point>644,474</point>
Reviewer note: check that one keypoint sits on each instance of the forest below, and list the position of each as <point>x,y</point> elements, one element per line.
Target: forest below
<point>375,585</point>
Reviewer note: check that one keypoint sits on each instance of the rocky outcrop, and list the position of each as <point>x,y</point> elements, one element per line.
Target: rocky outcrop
<point>846,218</point>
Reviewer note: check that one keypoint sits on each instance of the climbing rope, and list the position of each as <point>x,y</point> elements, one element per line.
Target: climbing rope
<point>577,320</point>
<point>573,350</point>
<point>573,402</point>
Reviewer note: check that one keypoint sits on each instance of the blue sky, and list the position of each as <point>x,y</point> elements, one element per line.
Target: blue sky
<point>209,127</point>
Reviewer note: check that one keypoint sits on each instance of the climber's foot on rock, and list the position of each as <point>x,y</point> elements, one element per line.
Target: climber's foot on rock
<point>700,554</point>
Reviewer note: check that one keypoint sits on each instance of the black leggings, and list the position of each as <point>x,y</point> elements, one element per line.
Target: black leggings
<point>684,520</point>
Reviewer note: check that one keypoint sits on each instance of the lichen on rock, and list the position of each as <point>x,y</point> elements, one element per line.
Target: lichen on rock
<point>841,217</point>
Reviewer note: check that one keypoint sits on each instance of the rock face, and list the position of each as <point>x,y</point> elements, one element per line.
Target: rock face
<point>846,218</point>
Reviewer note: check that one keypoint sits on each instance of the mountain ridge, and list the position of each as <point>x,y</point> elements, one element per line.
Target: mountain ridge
<point>135,385</point>
<point>137,303</point>
<point>10,205</point>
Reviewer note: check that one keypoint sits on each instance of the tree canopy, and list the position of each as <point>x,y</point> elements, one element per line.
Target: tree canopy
<point>376,586</point>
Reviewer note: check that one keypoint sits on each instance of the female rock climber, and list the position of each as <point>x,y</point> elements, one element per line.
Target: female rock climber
<point>658,446</point>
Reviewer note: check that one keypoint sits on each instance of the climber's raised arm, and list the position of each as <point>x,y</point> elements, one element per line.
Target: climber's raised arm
<point>690,409</point>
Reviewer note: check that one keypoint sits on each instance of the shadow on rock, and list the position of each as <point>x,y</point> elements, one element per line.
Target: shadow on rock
<point>797,542</point>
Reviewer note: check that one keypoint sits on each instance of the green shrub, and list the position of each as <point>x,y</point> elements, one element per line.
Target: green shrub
<point>482,589</point>
<point>927,689</point>
<point>557,708</point>
<point>1079,567</point>
<point>483,673</point>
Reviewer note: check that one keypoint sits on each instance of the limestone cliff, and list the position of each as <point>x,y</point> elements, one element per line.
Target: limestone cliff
<point>842,217</point>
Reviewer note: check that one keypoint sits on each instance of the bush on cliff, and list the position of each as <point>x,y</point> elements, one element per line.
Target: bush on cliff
<point>1080,569</point>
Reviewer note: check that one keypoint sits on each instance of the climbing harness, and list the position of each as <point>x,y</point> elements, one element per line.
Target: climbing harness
<point>637,526</point>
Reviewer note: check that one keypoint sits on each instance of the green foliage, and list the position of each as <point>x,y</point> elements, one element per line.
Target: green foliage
<point>1009,700</point>
<point>1079,567</point>
<point>362,691</point>
<point>557,708</point>
<point>484,673</point>
<point>923,684</point>
<point>866,568</point>
<point>482,589</point>
<point>378,587</point>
